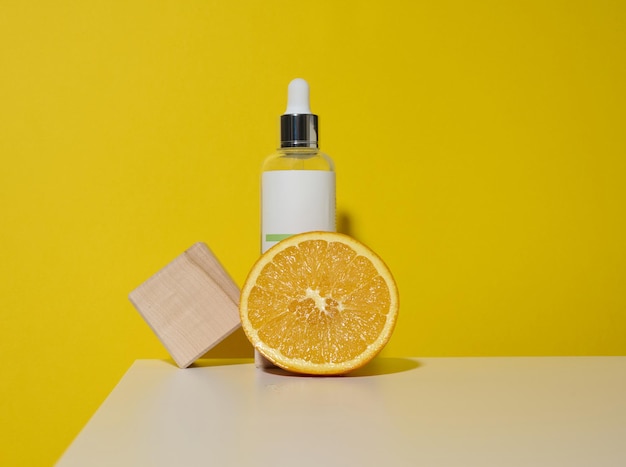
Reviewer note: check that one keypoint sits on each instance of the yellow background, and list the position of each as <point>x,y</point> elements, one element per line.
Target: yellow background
<point>480,150</point>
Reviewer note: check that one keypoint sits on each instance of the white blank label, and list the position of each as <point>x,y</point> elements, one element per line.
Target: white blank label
<point>296,201</point>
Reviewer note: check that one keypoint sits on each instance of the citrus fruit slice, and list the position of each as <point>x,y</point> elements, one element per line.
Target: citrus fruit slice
<point>319,303</point>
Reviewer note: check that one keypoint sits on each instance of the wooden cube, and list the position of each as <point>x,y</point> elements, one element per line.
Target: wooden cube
<point>191,304</point>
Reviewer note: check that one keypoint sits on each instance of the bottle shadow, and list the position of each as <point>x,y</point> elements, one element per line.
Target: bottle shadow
<point>344,223</point>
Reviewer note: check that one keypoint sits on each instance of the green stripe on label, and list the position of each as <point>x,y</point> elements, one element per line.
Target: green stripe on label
<point>276,237</point>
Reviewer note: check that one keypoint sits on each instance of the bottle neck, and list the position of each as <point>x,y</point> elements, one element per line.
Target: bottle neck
<point>298,131</point>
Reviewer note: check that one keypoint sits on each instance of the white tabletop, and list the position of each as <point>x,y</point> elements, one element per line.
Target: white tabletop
<point>543,411</point>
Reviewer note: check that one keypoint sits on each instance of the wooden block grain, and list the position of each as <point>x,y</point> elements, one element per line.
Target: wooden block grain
<point>191,304</point>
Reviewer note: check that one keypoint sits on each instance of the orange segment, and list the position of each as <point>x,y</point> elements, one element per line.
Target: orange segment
<point>319,303</point>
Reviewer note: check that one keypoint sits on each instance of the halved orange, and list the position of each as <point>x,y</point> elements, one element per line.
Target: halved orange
<point>319,303</point>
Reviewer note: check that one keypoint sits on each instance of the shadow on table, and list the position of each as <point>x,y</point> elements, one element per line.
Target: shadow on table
<point>386,366</point>
<point>378,366</point>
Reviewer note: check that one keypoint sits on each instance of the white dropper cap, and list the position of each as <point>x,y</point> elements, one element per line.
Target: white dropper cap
<point>298,97</point>
<point>298,126</point>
